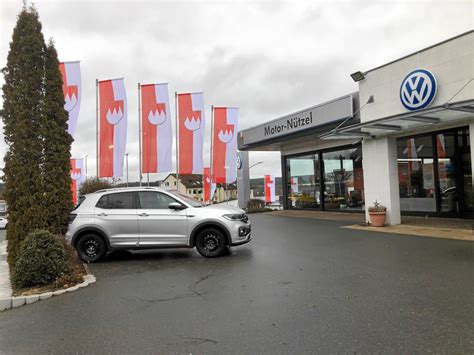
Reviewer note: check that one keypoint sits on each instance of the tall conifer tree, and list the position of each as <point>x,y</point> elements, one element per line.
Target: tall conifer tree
<point>57,147</point>
<point>37,163</point>
<point>22,114</point>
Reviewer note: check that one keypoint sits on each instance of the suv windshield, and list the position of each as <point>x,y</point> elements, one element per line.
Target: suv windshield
<point>188,199</point>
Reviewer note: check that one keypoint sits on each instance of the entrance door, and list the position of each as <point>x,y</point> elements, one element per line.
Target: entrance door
<point>158,224</point>
<point>303,183</point>
<point>343,180</point>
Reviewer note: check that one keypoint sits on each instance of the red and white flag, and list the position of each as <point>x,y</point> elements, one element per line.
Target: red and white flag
<point>157,138</point>
<point>78,177</point>
<point>71,74</point>
<point>113,127</point>
<point>441,146</point>
<point>412,155</point>
<point>224,150</point>
<point>269,182</point>
<point>294,185</point>
<point>442,162</point>
<point>208,191</point>
<point>191,123</point>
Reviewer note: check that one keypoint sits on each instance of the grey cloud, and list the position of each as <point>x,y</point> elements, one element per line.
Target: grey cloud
<point>268,58</point>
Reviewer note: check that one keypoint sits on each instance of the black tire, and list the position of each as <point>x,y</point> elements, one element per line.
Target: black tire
<point>91,248</point>
<point>211,242</point>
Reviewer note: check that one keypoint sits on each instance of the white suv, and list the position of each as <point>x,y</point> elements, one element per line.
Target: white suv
<point>140,218</point>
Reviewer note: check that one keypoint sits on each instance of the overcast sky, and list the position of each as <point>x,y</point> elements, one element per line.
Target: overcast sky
<point>268,58</point>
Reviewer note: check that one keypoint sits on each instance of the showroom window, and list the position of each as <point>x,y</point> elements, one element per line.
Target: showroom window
<point>343,180</point>
<point>434,173</point>
<point>416,174</point>
<point>337,172</point>
<point>303,183</point>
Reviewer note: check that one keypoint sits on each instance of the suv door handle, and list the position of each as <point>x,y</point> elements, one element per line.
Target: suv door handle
<point>102,214</point>
<point>143,214</point>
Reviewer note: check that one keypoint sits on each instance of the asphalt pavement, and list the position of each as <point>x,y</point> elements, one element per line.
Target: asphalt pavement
<point>301,286</point>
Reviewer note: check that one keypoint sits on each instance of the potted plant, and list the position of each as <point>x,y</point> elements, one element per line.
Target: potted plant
<point>377,214</point>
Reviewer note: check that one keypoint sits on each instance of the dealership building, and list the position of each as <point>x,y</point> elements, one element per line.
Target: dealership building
<point>404,139</point>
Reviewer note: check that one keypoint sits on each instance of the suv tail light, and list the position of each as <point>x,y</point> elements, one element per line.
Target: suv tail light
<point>72,217</point>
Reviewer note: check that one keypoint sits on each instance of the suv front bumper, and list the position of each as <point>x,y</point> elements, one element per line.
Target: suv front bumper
<point>243,235</point>
<point>246,239</point>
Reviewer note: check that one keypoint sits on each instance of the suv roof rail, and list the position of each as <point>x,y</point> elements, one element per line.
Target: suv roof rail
<point>129,188</point>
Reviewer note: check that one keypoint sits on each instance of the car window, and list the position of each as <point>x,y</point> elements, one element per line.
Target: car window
<point>122,200</point>
<point>154,200</point>
<point>192,201</point>
<point>80,200</point>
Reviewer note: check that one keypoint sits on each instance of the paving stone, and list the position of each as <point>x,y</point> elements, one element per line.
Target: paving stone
<point>32,299</point>
<point>18,301</point>
<point>5,303</point>
<point>46,295</point>
<point>59,292</point>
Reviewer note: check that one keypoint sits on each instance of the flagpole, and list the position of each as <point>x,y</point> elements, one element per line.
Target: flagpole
<point>177,138</point>
<point>212,147</point>
<point>97,126</point>
<point>139,135</point>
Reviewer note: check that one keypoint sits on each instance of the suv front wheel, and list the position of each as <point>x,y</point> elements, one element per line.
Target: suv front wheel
<point>91,248</point>
<point>210,242</point>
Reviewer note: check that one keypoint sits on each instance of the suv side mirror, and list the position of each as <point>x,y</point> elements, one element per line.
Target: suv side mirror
<point>176,206</point>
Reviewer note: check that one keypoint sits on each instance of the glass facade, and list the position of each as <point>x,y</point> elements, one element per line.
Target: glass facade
<point>335,175</point>
<point>343,179</point>
<point>304,187</point>
<point>434,172</point>
<point>416,174</point>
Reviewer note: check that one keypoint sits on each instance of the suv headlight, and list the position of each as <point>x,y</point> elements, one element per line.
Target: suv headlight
<point>236,217</point>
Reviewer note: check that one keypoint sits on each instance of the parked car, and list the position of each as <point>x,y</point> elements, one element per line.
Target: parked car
<point>149,218</point>
<point>3,222</point>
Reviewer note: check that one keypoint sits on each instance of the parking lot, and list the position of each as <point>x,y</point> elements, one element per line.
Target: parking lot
<point>301,286</point>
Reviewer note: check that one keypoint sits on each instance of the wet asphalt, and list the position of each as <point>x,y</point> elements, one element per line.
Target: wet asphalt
<point>301,286</point>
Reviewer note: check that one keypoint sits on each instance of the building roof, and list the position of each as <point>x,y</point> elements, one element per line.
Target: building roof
<point>189,180</point>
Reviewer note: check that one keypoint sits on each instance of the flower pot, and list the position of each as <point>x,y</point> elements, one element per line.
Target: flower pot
<point>377,219</point>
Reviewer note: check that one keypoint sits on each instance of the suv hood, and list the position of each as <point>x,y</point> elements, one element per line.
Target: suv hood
<point>222,209</point>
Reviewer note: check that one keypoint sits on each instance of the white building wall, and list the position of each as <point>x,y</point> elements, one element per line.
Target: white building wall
<point>452,63</point>
<point>381,176</point>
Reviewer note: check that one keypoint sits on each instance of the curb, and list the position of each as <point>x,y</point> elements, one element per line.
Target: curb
<point>13,302</point>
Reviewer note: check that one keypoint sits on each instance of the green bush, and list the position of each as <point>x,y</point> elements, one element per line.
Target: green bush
<point>42,258</point>
<point>255,204</point>
<point>94,184</point>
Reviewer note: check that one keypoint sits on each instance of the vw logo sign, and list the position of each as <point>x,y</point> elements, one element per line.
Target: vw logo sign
<point>239,162</point>
<point>418,89</point>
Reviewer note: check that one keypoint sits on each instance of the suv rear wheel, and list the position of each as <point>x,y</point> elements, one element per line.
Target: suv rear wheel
<point>91,248</point>
<point>210,242</point>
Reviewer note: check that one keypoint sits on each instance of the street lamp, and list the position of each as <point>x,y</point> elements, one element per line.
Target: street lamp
<point>358,76</point>
<point>251,166</point>
<point>226,167</point>
<point>126,160</point>
<point>85,165</point>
